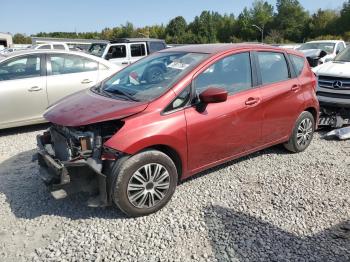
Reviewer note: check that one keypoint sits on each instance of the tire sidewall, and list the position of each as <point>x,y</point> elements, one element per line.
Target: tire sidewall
<point>124,172</point>
<point>303,116</point>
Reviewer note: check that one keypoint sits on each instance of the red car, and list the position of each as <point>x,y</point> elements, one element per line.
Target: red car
<point>182,110</point>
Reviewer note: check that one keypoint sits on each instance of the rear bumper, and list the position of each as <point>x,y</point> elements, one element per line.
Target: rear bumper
<point>57,174</point>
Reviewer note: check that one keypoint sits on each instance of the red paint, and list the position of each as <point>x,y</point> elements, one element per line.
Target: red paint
<point>242,123</point>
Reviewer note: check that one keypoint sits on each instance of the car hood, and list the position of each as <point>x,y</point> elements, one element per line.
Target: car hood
<point>86,107</point>
<point>333,68</point>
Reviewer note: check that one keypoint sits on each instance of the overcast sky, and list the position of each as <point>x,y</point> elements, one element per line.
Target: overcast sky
<point>30,17</point>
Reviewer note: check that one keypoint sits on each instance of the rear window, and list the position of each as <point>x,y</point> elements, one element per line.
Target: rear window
<point>137,50</point>
<point>273,67</point>
<point>156,46</point>
<point>298,63</point>
<point>60,47</point>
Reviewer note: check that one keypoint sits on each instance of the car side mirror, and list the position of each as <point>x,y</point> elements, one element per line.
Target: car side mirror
<point>108,56</point>
<point>213,95</point>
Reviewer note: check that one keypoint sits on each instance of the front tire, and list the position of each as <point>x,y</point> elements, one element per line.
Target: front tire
<point>144,183</point>
<point>302,133</point>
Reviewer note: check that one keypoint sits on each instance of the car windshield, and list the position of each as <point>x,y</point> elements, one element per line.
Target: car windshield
<point>97,49</point>
<point>343,56</point>
<point>152,76</point>
<point>326,46</point>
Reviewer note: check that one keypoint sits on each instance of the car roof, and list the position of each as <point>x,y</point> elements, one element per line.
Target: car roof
<point>219,48</point>
<point>48,51</point>
<point>130,40</point>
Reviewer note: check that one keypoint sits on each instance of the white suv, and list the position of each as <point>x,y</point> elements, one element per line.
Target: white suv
<point>125,51</point>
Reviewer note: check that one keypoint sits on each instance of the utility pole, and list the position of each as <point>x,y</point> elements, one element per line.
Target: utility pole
<point>261,29</point>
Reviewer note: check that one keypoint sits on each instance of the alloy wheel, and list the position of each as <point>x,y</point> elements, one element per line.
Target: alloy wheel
<point>148,185</point>
<point>304,133</point>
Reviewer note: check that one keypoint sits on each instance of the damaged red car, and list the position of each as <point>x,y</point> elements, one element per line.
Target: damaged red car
<point>131,139</point>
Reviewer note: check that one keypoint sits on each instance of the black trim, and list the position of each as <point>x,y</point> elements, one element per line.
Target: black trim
<point>291,67</point>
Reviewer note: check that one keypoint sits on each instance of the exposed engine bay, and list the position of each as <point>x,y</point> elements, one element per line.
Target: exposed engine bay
<point>63,149</point>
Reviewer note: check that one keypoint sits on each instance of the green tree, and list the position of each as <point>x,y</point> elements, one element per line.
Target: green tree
<point>344,20</point>
<point>176,30</point>
<point>203,27</point>
<point>21,39</point>
<point>291,19</point>
<point>322,22</point>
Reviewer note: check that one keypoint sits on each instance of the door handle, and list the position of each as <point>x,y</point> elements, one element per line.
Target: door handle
<point>125,63</point>
<point>86,81</point>
<point>252,101</point>
<point>295,88</point>
<point>34,89</point>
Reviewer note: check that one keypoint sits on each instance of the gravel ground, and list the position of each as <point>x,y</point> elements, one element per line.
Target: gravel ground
<point>270,206</point>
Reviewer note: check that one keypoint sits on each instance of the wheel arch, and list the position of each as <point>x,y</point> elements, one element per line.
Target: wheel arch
<point>314,113</point>
<point>172,153</point>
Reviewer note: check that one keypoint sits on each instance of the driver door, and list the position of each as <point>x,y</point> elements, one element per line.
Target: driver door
<point>118,54</point>
<point>23,96</point>
<point>227,129</point>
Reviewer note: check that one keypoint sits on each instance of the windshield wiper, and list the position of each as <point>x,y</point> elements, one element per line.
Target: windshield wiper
<point>117,91</point>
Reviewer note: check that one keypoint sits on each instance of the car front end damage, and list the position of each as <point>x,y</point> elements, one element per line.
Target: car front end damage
<point>73,159</point>
<point>333,93</point>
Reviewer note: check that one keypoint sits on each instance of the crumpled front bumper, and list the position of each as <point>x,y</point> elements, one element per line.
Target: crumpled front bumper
<point>57,175</point>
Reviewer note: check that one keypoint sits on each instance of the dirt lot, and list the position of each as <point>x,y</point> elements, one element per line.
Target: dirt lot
<point>272,205</point>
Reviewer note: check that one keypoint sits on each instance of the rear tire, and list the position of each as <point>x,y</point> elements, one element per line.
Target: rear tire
<point>143,183</point>
<point>302,133</point>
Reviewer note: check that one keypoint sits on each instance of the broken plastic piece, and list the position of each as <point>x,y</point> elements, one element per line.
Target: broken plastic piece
<point>341,133</point>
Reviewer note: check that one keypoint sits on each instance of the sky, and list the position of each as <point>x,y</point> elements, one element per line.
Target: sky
<point>30,17</point>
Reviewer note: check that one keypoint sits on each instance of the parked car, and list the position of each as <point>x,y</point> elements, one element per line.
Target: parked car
<point>52,46</point>
<point>174,114</point>
<point>322,51</point>
<point>32,80</point>
<point>333,90</point>
<point>125,51</point>
<point>9,50</point>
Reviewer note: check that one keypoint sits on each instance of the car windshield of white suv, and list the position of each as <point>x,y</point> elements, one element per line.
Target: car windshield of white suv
<point>150,77</point>
<point>343,56</point>
<point>325,46</point>
<point>97,49</point>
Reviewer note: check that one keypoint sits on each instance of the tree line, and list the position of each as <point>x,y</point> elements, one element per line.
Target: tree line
<point>287,22</point>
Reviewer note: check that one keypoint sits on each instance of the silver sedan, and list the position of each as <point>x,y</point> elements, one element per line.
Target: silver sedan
<point>32,80</point>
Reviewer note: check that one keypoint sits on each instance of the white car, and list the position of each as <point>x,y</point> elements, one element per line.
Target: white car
<point>32,80</point>
<point>52,46</point>
<point>331,47</point>
<point>333,91</point>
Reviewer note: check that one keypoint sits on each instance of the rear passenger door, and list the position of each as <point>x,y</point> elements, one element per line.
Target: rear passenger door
<point>68,74</point>
<point>137,51</point>
<point>280,93</point>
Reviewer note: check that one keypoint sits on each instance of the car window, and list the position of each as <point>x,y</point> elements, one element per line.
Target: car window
<point>44,47</point>
<point>156,46</point>
<point>232,73</point>
<point>298,63</point>
<point>273,67</point>
<point>117,51</point>
<point>60,47</point>
<point>69,64</point>
<point>137,50</point>
<point>22,67</point>
<point>180,101</point>
<point>340,47</point>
